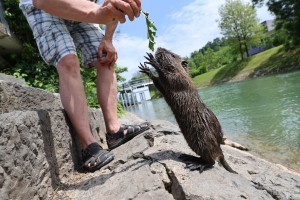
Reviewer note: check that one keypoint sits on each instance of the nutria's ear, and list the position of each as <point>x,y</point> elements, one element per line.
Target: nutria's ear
<point>185,64</point>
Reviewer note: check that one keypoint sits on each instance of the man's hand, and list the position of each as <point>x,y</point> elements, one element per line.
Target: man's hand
<point>107,53</point>
<point>112,10</point>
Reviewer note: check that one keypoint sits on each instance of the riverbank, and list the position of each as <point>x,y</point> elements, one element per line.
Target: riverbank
<point>272,61</point>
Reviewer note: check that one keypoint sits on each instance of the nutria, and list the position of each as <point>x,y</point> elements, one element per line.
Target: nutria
<point>198,124</point>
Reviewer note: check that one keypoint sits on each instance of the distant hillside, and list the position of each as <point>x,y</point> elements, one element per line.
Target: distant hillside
<point>272,61</point>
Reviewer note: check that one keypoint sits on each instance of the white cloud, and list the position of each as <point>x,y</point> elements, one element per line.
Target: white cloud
<point>131,51</point>
<point>189,29</point>
<point>192,27</point>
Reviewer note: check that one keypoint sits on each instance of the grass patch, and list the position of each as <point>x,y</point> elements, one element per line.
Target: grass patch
<point>275,60</point>
<point>280,61</point>
<point>204,80</point>
<point>261,58</point>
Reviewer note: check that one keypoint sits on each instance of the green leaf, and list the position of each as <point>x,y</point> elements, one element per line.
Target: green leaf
<point>151,30</point>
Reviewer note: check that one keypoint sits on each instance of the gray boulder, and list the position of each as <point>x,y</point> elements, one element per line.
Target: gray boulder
<point>11,79</point>
<point>14,96</point>
<point>40,151</point>
<point>39,148</point>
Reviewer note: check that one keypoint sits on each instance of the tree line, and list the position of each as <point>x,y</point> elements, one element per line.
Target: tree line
<point>242,31</point>
<point>287,14</point>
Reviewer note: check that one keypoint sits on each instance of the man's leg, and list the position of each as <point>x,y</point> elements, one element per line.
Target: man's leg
<point>88,38</point>
<point>107,96</point>
<point>74,101</point>
<point>73,97</point>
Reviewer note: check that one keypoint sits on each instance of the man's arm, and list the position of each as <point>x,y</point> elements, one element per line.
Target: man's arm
<point>87,11</point>
<point>110,30</point>
<point>106,47</point>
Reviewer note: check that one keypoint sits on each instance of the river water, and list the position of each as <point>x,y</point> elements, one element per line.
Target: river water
<point>262,114</point>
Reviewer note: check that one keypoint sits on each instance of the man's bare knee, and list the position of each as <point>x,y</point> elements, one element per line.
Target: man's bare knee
<point>69,65</point>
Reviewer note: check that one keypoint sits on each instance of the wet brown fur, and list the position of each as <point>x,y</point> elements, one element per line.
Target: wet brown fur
<point>199,125</point>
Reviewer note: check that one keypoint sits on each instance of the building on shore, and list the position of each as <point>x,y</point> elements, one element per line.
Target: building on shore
<point>269,26</point>
<point>134,92</point>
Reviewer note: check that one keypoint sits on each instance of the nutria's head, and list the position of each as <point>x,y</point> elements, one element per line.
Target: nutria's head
<point>170,62</point>
<point>173,69</point>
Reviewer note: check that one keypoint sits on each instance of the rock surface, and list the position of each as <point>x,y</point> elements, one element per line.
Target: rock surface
<point>148,168</point>
<point>40,159</point>
<point>8,78</point>
<point>14,96</point>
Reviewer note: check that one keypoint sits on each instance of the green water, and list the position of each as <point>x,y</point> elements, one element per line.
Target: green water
<point>262,114</point>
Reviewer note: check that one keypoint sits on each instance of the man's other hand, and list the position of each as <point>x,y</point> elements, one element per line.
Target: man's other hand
<point>107,53</point>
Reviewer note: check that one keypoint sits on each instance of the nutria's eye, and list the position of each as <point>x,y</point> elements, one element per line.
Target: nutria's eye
<point>185,64</point>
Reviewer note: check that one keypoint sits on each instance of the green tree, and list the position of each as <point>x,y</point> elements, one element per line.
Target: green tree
<point>193,70</point>
<point>29,64</point>
<point>215,45</point>
<point>213,55</point>
<point>239,24</point>
<point>209,59</point>
<point>197,58</point>
<point>139,76</point>
<point>17,22</point>
<point>287,14</point>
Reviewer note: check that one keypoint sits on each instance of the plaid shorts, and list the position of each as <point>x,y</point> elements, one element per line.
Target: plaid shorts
<point>56,37</point>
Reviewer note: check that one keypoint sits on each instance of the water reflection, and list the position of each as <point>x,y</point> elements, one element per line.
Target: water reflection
<point>151,110</point>
<point>263,114</point>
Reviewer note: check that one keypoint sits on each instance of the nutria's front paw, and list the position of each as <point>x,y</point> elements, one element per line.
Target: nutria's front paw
<point>152,61</point>
<point>145,69</point>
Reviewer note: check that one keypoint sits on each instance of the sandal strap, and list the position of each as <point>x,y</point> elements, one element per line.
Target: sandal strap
<point>91,150</point>
<point>118,134</point>
<point>116,139</point>
<point>94,157</point>
<point>133,128</point>
<point>123,127</point>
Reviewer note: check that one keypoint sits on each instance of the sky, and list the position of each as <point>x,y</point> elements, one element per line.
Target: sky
<point>184,26</point>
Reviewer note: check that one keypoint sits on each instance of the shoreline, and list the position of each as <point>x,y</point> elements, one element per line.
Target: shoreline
<point>270,62</point>
<point>252,75</point>
<point>290,167</point>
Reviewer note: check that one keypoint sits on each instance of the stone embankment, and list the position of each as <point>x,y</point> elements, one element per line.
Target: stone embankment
<point>40,159</point>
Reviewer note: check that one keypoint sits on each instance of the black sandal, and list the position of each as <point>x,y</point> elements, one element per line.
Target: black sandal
<point>116,139</point>
<point>94,157</point>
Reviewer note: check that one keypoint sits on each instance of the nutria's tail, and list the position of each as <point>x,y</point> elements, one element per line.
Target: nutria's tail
<point>226,165</point>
